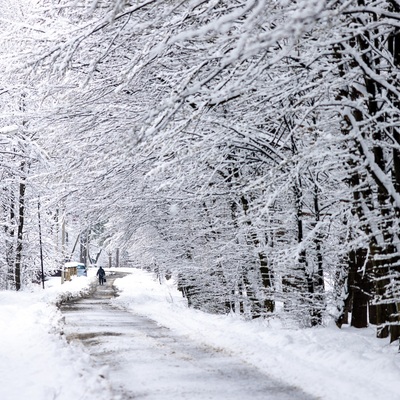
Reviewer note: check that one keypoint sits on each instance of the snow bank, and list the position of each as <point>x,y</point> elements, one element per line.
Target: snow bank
<point>36,362</point>
<point>325,362</point>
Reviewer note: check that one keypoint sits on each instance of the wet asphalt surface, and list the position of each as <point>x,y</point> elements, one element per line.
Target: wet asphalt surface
<point>143,360</point>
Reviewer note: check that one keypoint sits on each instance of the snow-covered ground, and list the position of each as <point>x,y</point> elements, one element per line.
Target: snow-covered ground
<point>37,363</point>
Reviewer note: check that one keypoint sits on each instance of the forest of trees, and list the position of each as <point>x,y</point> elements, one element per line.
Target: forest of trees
<point>248,148</point>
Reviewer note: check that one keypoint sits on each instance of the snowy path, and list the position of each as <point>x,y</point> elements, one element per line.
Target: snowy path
<point>143,360</point>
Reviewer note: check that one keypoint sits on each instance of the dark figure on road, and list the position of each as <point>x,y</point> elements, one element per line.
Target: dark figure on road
<point>101,274</point>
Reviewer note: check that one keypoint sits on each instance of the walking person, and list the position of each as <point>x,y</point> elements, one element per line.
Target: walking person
<point>101,274</point>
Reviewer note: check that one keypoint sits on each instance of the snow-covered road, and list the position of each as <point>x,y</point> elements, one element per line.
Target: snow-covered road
<point>141,359</point>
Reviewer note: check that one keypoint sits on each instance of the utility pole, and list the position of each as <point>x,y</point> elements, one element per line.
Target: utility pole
<point>63,242</point>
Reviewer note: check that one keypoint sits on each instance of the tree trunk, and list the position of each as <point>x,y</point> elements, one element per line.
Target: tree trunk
<point>360,288</point>
<point>10,238</point>
<point>264,268</point>
<point>20,231</point>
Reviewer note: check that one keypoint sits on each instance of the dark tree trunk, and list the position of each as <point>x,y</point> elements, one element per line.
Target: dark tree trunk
<point>20,231</point>
<point>359,289</point>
